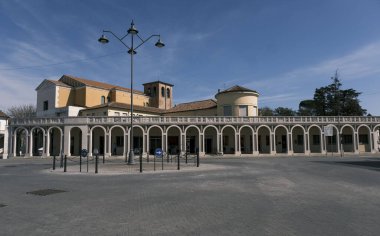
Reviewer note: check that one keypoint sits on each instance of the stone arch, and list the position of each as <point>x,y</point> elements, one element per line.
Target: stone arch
<point>54,144</point>
<point>246,134</point>
<point>364,138</point>
<point>117,134</point>
<point>173,139</point>
<point>347,139</point>
<point>155,138</point>
<point>37,141</point>
<point>315,139</point>
<point>211,139</point>
<point>281,138</point>
<point>99,139</point>
<point>20,141</point>
<point>75,141</point>
<point>332,144</point>
<point>264,139</point>
<point>192,138</point>
<point>229,140</point>
<point>298,137</point>
<point>139,141</point>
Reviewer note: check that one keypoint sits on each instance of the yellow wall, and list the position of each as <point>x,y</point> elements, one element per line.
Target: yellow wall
<point>65,97</point>
<point>125,97</point>
<point>236,99</point>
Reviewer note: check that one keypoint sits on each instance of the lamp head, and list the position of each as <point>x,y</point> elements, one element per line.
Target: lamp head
<point>103,39</point>
<point>159,44</point>
<point>132,29</point>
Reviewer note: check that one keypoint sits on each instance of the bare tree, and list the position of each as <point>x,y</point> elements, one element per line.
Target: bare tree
<point>22,111</point>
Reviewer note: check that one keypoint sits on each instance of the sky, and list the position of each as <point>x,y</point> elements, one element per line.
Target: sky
<point>282,49</point>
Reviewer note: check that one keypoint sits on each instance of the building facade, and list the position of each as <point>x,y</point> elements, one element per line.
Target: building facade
<point>76,114</point>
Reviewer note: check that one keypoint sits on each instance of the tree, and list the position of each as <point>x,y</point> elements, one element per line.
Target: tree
<point>266,111</point>
<point>22,111</point>
<point>306,108</point>
<point>331,100</point>
<point>284,111</point>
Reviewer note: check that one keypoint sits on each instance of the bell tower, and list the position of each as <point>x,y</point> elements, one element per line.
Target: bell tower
<point>160,93</point>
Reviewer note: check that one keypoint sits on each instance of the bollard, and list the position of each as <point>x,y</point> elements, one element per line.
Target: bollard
<point>103,157</point>
<point>186,157</point>
<point>53,162</point>
<point>87,163</point>
<point>80,163</point>
<point>61,164</point>
<point>162,161</point>
<point>154,162</point>
<point>197,159</point>
<point>65,164</point>
<point>96,164</point>
<point>178,162</point>
<point>147,157</point>
<point>140,161</point>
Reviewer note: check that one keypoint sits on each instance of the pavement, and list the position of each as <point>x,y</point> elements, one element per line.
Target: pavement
<point>224,196</point>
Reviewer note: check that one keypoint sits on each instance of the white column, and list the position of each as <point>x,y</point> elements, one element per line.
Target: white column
<point>6,137</point>
<point>66,140</point>
<point>47,151</point>
<point>30,147</point>
<point>371,138</point>
<point>219,142</point>
<point>90,144</point>
<point>290,144</point>
<point>307,144</point>
<point>356,143</point>
<point>237,144</point>
<point>14,143</point>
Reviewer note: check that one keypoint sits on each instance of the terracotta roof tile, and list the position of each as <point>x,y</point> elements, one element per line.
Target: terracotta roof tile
<point>127,107</point>
<point>191,106</point>
<point>97,84</point>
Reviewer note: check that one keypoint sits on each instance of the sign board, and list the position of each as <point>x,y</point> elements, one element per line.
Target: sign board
<point>158,152</point>
<point>83,152</point>
<point>328,130</point>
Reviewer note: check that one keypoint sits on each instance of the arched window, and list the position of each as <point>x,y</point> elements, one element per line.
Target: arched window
<point>163,92</point>
<point>168,93</point>
<point>154,91</point>
<point>108,99</point>
<point>102,100</point>
<point>149,92</point>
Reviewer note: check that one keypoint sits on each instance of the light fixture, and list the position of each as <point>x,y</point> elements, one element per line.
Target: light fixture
<point>103,39</point>
<point>159,44</point>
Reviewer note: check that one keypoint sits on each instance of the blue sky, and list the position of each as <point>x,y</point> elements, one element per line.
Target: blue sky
<point>282,49</point>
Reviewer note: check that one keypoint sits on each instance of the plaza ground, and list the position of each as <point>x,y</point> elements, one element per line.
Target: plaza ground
<point>225,196</point>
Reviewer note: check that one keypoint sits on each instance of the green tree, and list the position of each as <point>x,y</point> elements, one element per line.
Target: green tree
<point>266,111</point>
<point>306,108</point>
<point>284,111</point>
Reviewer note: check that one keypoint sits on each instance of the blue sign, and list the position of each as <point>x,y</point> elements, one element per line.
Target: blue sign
<point>83,152</point>
<point>158,152</point>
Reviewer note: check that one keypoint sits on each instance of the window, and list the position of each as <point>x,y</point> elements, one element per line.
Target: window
<point>168,93</point>
<point>102,100</point>
<point>154,91</point>
<point>163,92</point>
<point>243,110</point>
<point>227,110</point>
<point>46,105</point>
<point>117,113</point>
<point>331,140</point>
<point>149,92</point>
<point>347,139</point>
<point>363,139</point>
<point>316,139</point>
<point>108,99</point>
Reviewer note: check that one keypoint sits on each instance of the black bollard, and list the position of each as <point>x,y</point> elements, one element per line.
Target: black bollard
<point>186,157</point>
<point>96,164</point>
<point>65,164</point>
<point>197,159</point>
<point>87,163</point>
<point>140,161</point>
<point>147,157</point>
<point>154,162</point>
<point>178,162</point>
<point>162,161</point>
<point>80,163</point>
<point>104,157</point>
<point>61,164</point>
<point>53,162</point>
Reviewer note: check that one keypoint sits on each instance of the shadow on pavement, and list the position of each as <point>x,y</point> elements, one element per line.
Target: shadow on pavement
<point>367,164</point>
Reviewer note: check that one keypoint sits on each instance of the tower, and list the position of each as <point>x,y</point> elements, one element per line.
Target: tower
<point>160,94</point>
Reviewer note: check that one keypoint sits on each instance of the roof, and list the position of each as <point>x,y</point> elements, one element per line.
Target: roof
<point>48,81</point>
<point>191,106</point>
<point>158,81</point>
<point>3,115</point>
<point>68,79</point>
<point>127,107</point>
<point>237,88</point>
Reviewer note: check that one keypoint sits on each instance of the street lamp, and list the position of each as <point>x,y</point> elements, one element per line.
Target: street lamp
<point>131,50</point>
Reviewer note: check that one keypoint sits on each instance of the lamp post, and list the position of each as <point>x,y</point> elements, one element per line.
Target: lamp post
<point>132,31</point>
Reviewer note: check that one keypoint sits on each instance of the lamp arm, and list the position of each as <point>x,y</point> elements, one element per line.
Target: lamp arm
<point>146,40</point>
<point>120,39</point>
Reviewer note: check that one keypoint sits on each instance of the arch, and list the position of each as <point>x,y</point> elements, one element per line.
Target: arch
<point>20,141</point>
<point>168,93</point>
<point>364,138</point>
<point>162,92</point>
<point>98,126</point>
<point>246,139</point>
<point>229,145</point>
<point>298,139</point>
<point>37,141</point>
<point>117,140</point>
<point>264,139</point>
<point>174,126</point>
<point>226,126</point>
<point>211,142</point>
<point>281,138</point>
<point>315,139</point>
<point>332,144</point>
<point>75,141</point>
<point>99,139</point>
<point>376,127</point>
<point>139,141</point>
<point>346,125</point>
<point>155,139</point>
<point>347,139</point>
<point>54,141</point>
<point>192,139</point>
<point>173,139</point>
